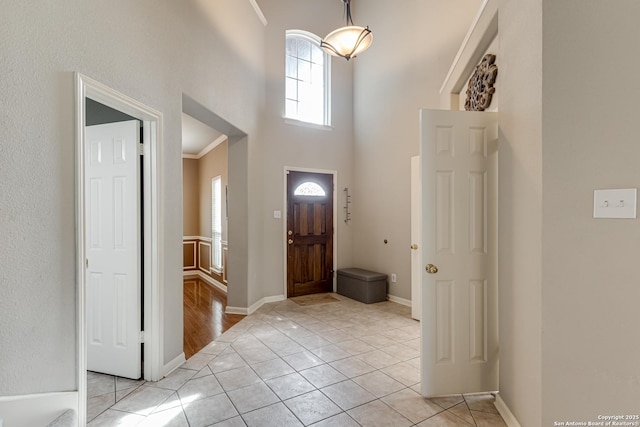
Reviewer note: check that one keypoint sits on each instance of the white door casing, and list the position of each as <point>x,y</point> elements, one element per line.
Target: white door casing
<point>416,239</point>
<point>113,247</point>
<point>459,237</point>
<point>152,123</point>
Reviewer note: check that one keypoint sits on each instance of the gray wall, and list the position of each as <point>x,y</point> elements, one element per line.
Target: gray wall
<point>151,51</point>
<point>520,208</point>
<point>299,146</point>
<point>590,275</point>
<point>568,282</point>
<point>414,46</point>
<point>238,291</point>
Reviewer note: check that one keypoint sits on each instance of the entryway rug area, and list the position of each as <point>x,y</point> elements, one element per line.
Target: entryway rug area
<point>314,299</point>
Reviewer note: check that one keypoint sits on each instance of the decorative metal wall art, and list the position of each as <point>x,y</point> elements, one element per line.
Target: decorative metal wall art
<point>347,217</point>
<point>481,89</point>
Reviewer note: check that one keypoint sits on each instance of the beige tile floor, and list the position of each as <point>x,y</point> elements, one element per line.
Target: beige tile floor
<point>338,364</point>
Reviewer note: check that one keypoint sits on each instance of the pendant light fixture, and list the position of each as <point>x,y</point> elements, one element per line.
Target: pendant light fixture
<point>349,40</point>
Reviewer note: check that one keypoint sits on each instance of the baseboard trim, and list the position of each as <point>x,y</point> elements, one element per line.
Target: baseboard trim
<point>508,417</point>
<point>398,300</point>
<point>173,365</point>
<point>236,310</point>
<point>275,298</point>
<point>255,306</point>
<point>36,409</point>
<point>210,280</point>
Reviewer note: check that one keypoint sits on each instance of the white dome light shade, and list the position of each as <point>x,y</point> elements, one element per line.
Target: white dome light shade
<point>347,42</point>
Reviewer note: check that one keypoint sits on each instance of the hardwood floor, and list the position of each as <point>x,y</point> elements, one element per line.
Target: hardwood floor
<point>204,316</point>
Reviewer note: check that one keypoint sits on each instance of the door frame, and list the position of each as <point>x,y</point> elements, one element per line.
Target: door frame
<point>284,220</point>
<point>416,238</point>
<point>153,240</point>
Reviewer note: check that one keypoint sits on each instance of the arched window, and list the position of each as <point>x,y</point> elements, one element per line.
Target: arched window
<point>309,189</point>
<point>307,79</point>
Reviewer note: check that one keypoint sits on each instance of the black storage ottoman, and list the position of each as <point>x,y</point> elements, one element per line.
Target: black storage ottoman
<point>362,285</point>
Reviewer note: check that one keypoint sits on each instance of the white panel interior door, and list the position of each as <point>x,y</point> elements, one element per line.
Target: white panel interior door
<point>112,200</point>
<point>416,239</point>
<point>459,238</point>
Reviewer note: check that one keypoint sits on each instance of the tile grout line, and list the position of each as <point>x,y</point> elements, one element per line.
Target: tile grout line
<point>352,378</point>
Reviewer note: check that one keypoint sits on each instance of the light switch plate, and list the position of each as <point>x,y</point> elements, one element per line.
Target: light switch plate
<point>277,214</point>
<point>618,203</point>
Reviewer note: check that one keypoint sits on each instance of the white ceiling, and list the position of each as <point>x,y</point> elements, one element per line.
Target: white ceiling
<point>197,137</point>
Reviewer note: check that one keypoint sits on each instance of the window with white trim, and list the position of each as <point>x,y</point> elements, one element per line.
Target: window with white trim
<point>216,224</point>
<point>307,79</point>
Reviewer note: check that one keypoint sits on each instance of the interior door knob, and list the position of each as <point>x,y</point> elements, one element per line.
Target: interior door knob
<point>414,247</point>
<point>431,269</point>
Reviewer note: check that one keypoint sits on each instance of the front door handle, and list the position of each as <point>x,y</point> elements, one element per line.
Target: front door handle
<point>291,241</point>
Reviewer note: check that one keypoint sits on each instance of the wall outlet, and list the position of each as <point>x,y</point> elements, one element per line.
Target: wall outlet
<point>393,277</point>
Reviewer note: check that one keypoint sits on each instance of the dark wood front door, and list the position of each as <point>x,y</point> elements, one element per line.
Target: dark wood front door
<point>309,233</point>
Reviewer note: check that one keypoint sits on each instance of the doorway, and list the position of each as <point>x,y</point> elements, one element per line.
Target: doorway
<point>205,232</point>
<point>148,262</point>
<point>310,232</point>
<point>234,211</point>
